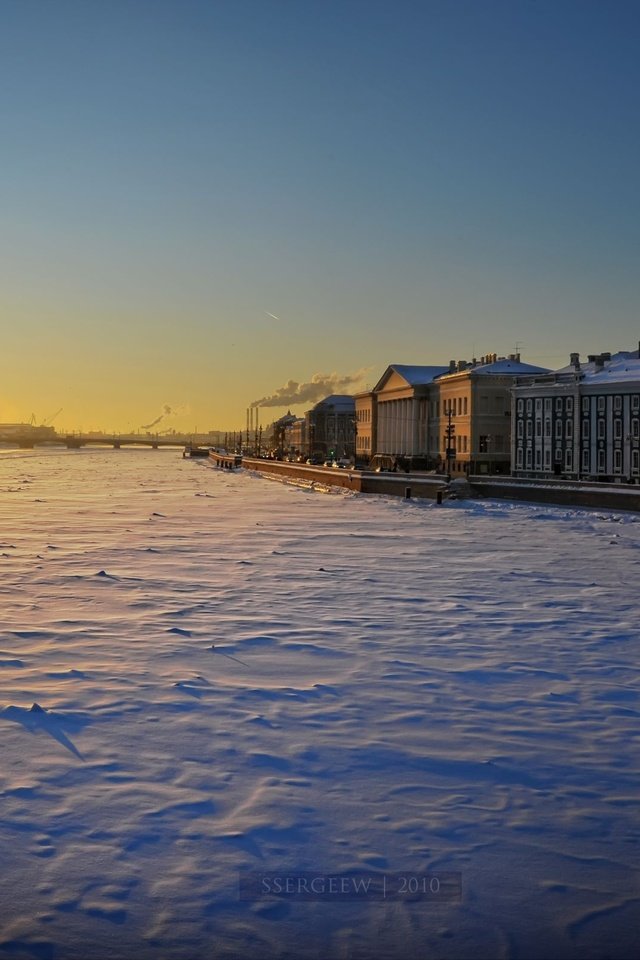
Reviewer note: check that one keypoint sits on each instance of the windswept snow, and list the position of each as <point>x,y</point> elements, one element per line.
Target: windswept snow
<point>205,675</point>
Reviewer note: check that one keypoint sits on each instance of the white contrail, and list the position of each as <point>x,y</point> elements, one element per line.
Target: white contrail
<point>272,315</point>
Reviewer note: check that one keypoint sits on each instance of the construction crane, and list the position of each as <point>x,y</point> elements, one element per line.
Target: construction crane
<point>49,420</point>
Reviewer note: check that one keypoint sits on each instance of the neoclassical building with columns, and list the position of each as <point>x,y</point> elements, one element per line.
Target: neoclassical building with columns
<point>393,417</point>
<point>455,418</point>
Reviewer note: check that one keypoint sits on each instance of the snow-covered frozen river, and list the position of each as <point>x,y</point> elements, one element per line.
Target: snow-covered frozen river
<point>236,676</point>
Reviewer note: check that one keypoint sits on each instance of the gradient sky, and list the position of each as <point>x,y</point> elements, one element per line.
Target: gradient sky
<point>203,200</point>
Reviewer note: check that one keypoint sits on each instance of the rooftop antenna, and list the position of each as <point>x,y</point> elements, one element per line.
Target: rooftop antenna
<point>518,346</point>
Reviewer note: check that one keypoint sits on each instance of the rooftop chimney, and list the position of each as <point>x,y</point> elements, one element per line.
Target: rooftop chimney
<point>462,365</point>
<point>600,361</point>
<point>452,366</point>
<point>574,360</point>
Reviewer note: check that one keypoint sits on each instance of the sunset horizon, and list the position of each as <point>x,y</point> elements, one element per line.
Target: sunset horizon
<point>205,201</point>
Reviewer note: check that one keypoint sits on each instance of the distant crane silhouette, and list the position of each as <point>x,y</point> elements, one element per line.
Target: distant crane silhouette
<point>49,420</point>
<point>33,422</point>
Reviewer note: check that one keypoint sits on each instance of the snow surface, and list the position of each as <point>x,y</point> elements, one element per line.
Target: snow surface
<point>236,674</point>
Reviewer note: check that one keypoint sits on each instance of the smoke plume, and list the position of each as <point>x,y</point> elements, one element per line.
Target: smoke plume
<point>320,386</point>
<point>167,411</point>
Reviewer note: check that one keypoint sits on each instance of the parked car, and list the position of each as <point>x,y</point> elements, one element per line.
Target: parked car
<point>314,461</point>
<point>341,463</point>
<point>382,463</point>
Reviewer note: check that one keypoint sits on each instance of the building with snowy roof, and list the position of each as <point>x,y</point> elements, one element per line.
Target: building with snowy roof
<point>470,414</point>
<point>391,419</point>
<point>455,418</point>
<point>330,426</point>
<point>581,421</point>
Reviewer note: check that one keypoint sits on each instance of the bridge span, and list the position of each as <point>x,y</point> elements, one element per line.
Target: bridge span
<point>74,441</point>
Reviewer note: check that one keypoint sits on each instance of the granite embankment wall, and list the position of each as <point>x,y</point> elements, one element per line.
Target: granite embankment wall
<point>394,484</point>
<point>609,496</point>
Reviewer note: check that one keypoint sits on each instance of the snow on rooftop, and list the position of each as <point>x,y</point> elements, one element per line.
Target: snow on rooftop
<point>343,401</point>
<point>417,375</point>
<point>237,676</point>
<point>622,366</point>
<point>505,365</point>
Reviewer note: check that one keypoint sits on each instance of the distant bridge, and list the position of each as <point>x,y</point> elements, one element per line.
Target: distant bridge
<point>73,441</point>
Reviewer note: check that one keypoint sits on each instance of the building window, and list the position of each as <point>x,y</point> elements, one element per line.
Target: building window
<point>538,459</point>
<point>617,461</point>
<point>569,429</point>
<point>601,461</point>
<point>585,405</point>
<point>538,428</point>
<point>529,459</point>
<point>464,406</point>
<point>558,454</point>
<point>529,429</point>
<point>538,408</point>
<point>483,446</point>
<point>600,406</point>
<point>529,407</point>
<point>635,428</point>
<point>635,403</point>
<point>617,404</point>
<point>601,430</point>
<point>635,462</point>
<point>585,461</point>
<point>520,406</point>
<point>568,459</point>
<point>547,459</point>
<point>569,405</point>
<point>585,429</point>
<point>547,407</point>
<point>547,427</point>
<point>558,429</point>
<point>617,429</point>
<point>558,405</point>
<point>520,429</point>
<point>519,458</point>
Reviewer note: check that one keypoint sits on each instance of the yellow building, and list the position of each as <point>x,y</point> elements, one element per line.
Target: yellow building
<point>474,400</point>
<point>365,433</point>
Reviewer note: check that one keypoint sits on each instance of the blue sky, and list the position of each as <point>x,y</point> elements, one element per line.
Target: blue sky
<point>395,181</point>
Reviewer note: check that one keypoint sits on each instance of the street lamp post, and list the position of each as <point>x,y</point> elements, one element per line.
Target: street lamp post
<point>449,437</point>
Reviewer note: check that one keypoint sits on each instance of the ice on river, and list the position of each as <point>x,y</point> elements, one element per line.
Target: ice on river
<point>205,676</point>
